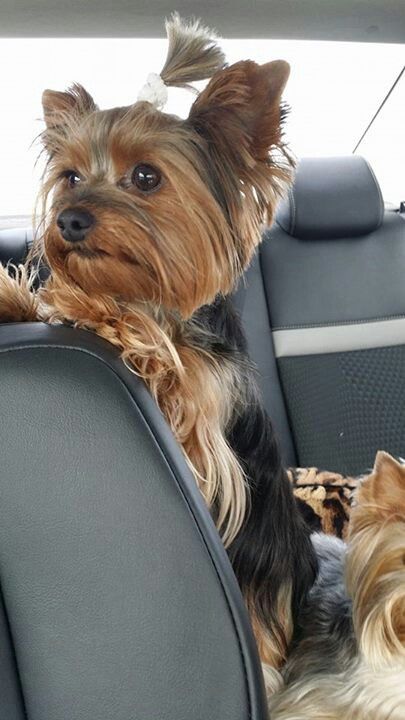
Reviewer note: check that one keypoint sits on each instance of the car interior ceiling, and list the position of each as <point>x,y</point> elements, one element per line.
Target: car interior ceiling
<point>346,20</point>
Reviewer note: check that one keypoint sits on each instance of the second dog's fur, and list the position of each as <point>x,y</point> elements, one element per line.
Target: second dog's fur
<point>349,659</point>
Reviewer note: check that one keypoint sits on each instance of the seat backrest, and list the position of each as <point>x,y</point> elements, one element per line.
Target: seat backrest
<point>332,274</point>
<point>15,244</point>
<point>117,597</point>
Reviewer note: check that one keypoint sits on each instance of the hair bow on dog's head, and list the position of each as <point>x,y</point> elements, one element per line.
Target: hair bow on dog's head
<point>154,91</point>
<point>192,55</point>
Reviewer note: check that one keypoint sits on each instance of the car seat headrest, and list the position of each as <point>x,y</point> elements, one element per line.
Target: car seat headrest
<point>335,197</point>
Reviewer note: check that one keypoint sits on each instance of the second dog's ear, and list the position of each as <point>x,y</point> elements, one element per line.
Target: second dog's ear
<point>60,107</point>
<point>385,462</point>
<point>239,114</point>
<point>384,489</point>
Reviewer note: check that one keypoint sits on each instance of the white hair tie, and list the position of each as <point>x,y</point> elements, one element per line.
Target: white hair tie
<point>154,91</point>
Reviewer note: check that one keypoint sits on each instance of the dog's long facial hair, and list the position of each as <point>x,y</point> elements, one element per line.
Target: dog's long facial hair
<point>174,210</point>
<point>350,661</point>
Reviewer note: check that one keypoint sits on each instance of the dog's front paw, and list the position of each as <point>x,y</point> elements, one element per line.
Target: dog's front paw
<point>18,301</point>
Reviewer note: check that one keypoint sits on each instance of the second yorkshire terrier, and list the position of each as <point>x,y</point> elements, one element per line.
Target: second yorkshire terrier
<point>150,220</point>
<point>349,662</point>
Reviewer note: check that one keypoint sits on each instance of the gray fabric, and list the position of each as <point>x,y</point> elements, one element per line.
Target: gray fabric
<point>344,407</point>
<point>318,283</point>
<point>119,595</point>
<point>250,300</point>
<point>350,20</point>
<point>332,198</point>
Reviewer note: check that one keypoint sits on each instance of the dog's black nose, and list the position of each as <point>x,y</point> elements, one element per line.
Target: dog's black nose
<point>74,224</point>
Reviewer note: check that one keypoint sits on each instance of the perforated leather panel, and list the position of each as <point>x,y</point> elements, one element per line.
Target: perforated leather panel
<point>343,407</point>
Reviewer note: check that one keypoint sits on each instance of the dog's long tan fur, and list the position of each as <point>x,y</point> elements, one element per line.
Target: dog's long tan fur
<point>185,382</point>
<point>371,684</point>
<point>152,263</point>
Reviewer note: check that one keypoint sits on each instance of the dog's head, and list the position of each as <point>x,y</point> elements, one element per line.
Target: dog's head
<point>148,207</point>
<point>375,570</point>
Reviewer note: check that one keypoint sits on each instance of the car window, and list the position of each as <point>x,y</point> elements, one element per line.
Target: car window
<point>334,90</point>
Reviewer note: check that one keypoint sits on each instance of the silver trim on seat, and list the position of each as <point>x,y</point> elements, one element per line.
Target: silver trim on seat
<point>339,338</point>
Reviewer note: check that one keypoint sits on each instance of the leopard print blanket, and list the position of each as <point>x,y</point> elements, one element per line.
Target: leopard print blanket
<point>324,498</point>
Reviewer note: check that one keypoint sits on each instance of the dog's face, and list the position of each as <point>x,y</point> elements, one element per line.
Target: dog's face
<point>150,208</point>
<point>376,563</point>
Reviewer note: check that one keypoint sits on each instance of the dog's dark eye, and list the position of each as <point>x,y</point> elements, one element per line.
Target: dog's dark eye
<point>146,177</point>
<point>73,178</point>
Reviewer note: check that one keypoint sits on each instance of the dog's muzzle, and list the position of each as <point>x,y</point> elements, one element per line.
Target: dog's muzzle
<point>74,224</point>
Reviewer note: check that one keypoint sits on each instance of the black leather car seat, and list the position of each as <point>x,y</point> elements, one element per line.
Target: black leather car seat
<point>15,245</point>
<point>117,597</point>
<point>323,305</point>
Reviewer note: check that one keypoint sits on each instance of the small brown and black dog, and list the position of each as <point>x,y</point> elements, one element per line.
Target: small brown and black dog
<point>148,222</point>
<point>349,663</point>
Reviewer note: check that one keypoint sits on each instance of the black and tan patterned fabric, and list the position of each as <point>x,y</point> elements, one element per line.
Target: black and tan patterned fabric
<point>324,498</point>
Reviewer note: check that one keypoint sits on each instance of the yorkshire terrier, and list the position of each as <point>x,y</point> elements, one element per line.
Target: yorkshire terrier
<point>148,222</point>
<point>349,662</point>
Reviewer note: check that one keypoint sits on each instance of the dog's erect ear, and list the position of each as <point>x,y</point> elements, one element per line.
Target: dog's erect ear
<point>242,104</point>
<point>58,105</point>
<point>61,108</point>
<point>240,116</point>
<point>385,462</point>
<point>384,489</point>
